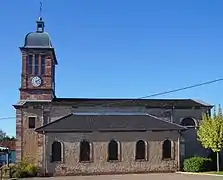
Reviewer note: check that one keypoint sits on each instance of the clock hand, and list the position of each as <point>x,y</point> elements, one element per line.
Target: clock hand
<point>39,81</point>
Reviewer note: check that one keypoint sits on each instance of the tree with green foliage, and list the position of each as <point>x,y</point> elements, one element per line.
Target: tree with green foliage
<point>5,137</point>
<point>2,134</point>
<point>210,132</point>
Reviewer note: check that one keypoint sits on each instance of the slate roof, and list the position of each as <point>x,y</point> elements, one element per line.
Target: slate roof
<point>114,102</point>
<point>11,144</point>
<point>150,103</point>
<point>118,122</point>
<point>37,40</point>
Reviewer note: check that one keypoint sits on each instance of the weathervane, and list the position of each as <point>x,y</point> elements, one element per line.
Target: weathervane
<point>40,10</point>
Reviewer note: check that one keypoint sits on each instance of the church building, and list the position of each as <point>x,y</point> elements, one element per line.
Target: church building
<point>77,136</point>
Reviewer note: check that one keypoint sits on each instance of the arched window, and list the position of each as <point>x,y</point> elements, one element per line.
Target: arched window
<point>56,151</point>
<point>188,122</point>
<point>167,149</point>
<point>140,150</point>
<point>85,151</point>
<point>113,150</point>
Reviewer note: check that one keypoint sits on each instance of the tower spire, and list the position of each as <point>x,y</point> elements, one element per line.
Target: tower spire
<point>40,22</point>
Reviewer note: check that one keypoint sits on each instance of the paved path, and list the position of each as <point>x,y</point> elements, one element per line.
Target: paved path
<point>164,176</point>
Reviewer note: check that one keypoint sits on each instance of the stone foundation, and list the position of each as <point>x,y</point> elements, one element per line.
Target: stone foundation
<point>63,170</point>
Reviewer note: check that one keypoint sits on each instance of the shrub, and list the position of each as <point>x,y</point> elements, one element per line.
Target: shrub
<point>31,170</point>
<point>21,170</point>
<point>5,169</point>
<point>196,164</point>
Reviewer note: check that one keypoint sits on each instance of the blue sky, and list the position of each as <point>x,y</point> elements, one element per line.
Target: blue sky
<point>117,48</point>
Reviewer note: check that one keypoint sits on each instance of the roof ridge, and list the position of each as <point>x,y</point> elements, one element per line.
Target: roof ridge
<point>146,118</point>
<point>108,113</point>
<point>52,122</point>
<point>160,119</point>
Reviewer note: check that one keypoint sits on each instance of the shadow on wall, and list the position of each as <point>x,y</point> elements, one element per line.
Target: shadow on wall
<point>213,156</point>
<point>192,146</point>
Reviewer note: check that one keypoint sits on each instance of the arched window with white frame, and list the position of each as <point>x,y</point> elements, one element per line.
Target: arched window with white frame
<point>188,122</point>
<point>167,149</point>
<point>113,150</point>
<point>140,150</point>
<point>56,151</point>
<point>85,151</point>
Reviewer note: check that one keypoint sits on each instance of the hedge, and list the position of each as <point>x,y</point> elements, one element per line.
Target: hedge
<point>197,164</point>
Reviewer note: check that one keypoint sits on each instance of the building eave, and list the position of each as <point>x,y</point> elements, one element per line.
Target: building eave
<point>23,103</point>
<point>147,103</point>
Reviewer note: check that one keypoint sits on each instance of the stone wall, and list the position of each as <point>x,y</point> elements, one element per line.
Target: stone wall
<point>70,164</point>
<point>192,146</point>
<point>46,90</point>
<point>30,144</point>
<point>19,135</point>
<point>62,110</point>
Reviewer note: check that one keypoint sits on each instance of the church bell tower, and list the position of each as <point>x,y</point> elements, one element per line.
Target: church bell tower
<point>38,65</point>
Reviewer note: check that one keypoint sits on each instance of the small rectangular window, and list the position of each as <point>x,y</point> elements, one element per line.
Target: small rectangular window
<point>46,117</point>
<point>29,64</point>
<point>32,122</point>
<point>36,72</point>
<point>39,25</point>
<point>43,59</point>
<point>53,76</point>
<point>53,70</point>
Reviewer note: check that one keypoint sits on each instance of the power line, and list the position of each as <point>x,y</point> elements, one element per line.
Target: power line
<point>3,118</point>
<point>183,88</point>
<point>152,95</point>
<point>167,92</point>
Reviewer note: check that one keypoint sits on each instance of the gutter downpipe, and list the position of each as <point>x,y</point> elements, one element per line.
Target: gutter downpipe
<point>178,158</point>
<point>172,114</point>
<point>22,134</point>
<point>44,153</point>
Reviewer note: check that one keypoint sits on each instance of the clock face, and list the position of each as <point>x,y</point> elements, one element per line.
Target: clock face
<point>36,81</point>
